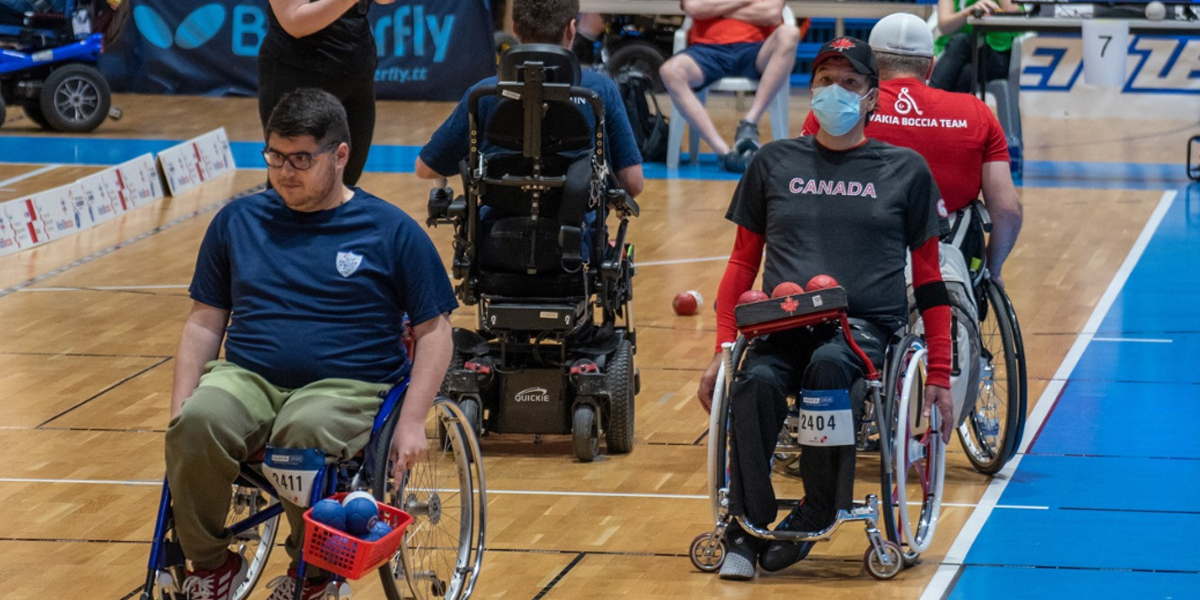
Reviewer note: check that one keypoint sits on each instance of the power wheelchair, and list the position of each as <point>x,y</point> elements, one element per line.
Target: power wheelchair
<point>442,549</point>
<point>912,454</point>
<point>553,349</point>
<point>48,65</point>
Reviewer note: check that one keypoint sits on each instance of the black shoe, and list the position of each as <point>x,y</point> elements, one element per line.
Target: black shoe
<point>746,137</point>
<point>734,162</point>
<point>781,555</point>
<point>741,550</point>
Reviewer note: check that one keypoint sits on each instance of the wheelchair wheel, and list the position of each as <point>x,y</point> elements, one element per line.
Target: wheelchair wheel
<point>75,98</point>
<point>585,433</point>
<point>718,431</point>
<point>33,110</point>
<point>254,545</point>
<point>619,430</point>
<point>707,552</point>
<point>916,456</point>
<point>445,493</point>
<point>993,429</point>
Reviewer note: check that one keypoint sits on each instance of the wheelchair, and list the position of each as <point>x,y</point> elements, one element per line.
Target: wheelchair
<point>48,67</point>
<point>912,454</point>
<point>554,345</point>
<point>988,376</point>
<point>442,549</point>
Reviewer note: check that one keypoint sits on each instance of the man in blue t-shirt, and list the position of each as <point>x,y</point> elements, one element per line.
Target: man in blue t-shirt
<point>309,285</point>
<point>540,22</point>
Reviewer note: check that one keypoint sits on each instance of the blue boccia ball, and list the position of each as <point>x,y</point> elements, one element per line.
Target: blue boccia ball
<point>378,531</point>
<point>361,516</point>
<point>330,512</point>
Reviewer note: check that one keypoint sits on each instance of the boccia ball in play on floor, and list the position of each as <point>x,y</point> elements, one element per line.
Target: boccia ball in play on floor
<point>361,516</point>
<point>330,512</point>
<point>821,282</point>
<point>687,303</point>
<point>749,296</point>
<point>787,288</point>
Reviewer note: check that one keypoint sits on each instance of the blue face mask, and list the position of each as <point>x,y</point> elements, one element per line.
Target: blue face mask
<point>837,108</point>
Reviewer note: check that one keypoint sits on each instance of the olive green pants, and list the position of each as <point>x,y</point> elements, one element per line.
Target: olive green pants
<point>232,414</point>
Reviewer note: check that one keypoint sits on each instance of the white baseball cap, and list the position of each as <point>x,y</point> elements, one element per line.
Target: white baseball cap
<point>902,33</point>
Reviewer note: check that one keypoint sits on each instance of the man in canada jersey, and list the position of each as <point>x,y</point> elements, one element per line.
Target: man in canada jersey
<point>835,203</point>
<point>956,133</point>
<point>731,38</point>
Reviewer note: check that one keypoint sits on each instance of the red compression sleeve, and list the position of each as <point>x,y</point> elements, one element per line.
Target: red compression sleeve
<point>739,277</point>
<point>937,318</point>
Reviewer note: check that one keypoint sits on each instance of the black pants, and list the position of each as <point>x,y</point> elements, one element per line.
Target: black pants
<point>810,358</point>
<point>356,93</point>
<point>952,72</point>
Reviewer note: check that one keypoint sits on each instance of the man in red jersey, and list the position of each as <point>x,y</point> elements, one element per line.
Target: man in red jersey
<point>853,208</point>
<point>731,38</point>
<point>957,134</point>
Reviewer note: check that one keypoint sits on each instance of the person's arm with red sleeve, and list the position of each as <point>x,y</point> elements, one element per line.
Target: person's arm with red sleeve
<point>934,303</point>
<point>739,277</point>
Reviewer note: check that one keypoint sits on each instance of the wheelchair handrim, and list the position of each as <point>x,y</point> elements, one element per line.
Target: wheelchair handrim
<point>931,470</point>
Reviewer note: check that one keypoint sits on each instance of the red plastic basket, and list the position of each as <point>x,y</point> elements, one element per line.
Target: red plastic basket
<point>341,553</point>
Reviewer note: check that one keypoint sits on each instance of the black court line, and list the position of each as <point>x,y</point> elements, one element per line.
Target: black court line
<point>135,239</point>
<point>1091,569</point>
<point>84,355</point>
<point>96,429</point>
<point>131,594</point>
<point>561,574</point>
<point>104,391</point>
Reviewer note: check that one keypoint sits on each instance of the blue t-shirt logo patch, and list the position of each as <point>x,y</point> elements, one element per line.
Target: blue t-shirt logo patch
<point>348,262</point>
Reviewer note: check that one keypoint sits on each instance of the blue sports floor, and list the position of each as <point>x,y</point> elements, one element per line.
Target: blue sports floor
<point>1109,485</point>
<point>1105,501</point>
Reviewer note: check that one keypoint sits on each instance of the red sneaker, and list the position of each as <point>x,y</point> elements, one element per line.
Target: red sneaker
<point>219,583</point>
<point>284,588</point>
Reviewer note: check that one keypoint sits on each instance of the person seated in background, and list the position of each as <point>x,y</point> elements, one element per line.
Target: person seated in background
<point>731,38</point>
<point>539,22</point>
<point>957,134</point>
<point>954,47</point>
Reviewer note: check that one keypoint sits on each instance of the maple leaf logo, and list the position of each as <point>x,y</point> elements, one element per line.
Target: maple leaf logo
<point>790,305</point>
<point>841,44</point>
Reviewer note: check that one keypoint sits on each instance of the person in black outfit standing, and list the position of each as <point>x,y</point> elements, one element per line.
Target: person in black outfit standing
<point>327,44</point>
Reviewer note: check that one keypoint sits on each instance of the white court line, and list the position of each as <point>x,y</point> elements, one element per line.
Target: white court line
<point>681,261</point>
<point>33,173</point>
<point>144,482</point>
<point>946,574</point>
<point>1135,340</point>
<point>106,288</point>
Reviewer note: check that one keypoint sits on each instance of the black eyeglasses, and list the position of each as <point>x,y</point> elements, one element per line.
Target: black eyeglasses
<point>300,161</point>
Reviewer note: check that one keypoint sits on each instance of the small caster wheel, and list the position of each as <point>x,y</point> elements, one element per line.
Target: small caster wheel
<point>708,552</point>
<point>874,563</point>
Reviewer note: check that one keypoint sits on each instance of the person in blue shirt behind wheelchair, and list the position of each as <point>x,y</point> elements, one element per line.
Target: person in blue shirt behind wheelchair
<point>308,284</point>
<point>540,22</point>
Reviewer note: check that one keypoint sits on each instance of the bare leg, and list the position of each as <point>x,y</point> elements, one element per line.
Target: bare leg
<point>679,74</point>
<point>774,63</point>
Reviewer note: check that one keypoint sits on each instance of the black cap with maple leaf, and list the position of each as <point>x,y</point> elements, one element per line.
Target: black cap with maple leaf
<point>854,50</point>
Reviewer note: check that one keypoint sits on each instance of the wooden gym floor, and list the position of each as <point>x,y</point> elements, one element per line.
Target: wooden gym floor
<point>90,323</point>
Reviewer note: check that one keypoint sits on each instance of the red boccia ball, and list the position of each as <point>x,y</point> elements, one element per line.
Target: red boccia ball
<point>686,303</point>
<point>749,296</point>
<point>786,288</point>
<point>821,282</point>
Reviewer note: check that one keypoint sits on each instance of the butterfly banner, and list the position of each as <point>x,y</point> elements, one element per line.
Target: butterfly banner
<point>426,50</point>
